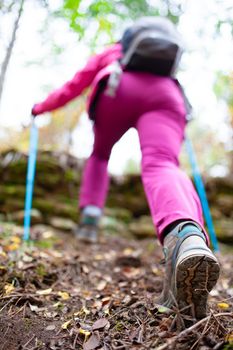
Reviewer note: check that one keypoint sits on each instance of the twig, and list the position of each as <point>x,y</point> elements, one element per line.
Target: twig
<point>223,329</point>
<point>205,330</point>
<point>192,328</point>
<point>117,313</point>
<point>75,340</point>
<point>29,341</point>
<point>17,312</point>
<point>9,302</point>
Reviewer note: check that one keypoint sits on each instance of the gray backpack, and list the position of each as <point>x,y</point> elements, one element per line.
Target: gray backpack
<point>151,44</point>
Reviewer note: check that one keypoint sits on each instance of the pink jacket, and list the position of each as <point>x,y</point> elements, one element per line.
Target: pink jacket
<point>95,70</point>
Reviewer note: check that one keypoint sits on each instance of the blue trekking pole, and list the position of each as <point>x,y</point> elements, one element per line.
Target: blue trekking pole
<point>30,179</point>
<point>202,194</point>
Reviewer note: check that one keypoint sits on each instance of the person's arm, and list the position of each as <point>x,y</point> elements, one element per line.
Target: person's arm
<point>80,81</point>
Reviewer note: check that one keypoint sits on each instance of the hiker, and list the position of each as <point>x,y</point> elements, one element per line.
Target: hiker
<point>133,85</point>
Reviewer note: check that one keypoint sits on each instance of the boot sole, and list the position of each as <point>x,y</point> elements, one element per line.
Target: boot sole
<point>195,277</point>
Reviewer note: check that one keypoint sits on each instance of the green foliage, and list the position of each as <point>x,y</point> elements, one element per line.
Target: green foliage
<point>223,87</point>
<point>92,19</point>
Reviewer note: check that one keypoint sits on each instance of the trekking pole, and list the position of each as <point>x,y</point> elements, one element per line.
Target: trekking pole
<point>202,194</point>
<point>30,179</point>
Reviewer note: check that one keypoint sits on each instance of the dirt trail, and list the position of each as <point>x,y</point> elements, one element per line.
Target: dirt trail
<point>61,294</point>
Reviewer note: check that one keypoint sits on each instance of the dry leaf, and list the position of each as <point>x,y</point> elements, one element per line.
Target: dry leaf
<point>8,288</point>
<point>101,285</point>
<point>12,247</point>
<point>93,342</point>
<point>131,272</point>
<point>98,257</point>
<point>83,311</point>
<point>3,269</point>
<point>44,291</point>
<point>84,332</point>
<point>64,295</point>
<point>35,308</point>
<point>128,251</point>
<point>16,240</point>
<point>101,323</point>
<point>223,306</point>
<point>66,324</point>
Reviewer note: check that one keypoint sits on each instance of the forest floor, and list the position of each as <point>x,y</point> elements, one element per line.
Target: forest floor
<point>60,294</point>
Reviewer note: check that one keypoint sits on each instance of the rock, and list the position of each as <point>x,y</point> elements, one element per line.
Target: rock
<point>122,214</point>
<point>112,225</point>
<point>143,228</point>
<point>62,224</point>
<point>18,216</point>
<point>41,231</point>
<point>56,206</point>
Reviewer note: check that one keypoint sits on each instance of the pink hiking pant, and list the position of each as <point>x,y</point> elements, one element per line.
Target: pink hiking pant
<point>154,106</point>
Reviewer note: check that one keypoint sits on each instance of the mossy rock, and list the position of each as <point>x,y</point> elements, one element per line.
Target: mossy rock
<point>17,191</point>
<point>18,217</point>
<point>122,214</point>
<point>53,207</point>
<point>11,205</point>
<point>15,173</point>
<point>136,205</point>
<point>143,228</point>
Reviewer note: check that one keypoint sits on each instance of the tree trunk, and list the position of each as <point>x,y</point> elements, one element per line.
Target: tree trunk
<point>10,47</point>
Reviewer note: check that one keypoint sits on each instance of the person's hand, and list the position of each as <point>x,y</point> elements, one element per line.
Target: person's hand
<point>35,111</point>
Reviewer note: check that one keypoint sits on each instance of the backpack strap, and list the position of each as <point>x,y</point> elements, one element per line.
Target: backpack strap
<point>188,106</point>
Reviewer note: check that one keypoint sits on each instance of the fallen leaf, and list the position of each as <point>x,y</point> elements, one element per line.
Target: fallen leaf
<point>3,254</point>
<point>16,240</point>
<point>101,323</point>
<point>105,300</point>
<point>128,251</point>
<point>223,306</point>
<point>3,269</point>
<point>131,272</point>
<point>93,342</point>
<point>84,332</point>
<point>8,288</point>
<point>64,295</point>
<point>163,310</point>
<point>44,291</point>
<point>98,257</point>
<point>58,305</point>
<point>66,324</point>
<point>35,308</point>
<point>12,247</point>
<point>85,269</point>
<point>83,311</point>
<point>101,285</point>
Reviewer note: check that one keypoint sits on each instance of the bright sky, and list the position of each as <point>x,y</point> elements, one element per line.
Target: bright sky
<point>26,84</point>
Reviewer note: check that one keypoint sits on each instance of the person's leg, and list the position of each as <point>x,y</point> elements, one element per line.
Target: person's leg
<point>170,192</point>
<point>111,122</point>
<point>191,270</point>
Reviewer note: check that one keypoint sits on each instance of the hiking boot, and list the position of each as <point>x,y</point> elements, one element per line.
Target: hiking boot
<point>88,229</point>
<point>87,233</point>
<point>191,270</point>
